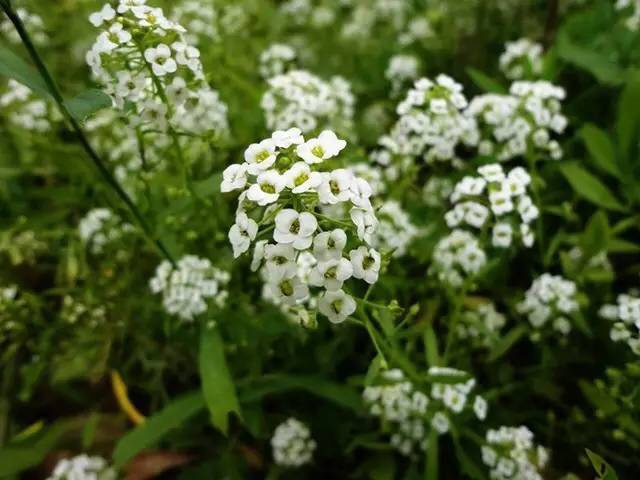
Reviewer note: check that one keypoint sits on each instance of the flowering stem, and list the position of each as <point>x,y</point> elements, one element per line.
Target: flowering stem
<point>82,138</point>
<point>372,333</point>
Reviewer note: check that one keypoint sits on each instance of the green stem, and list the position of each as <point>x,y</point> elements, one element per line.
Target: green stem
<point>5,400</point>
<point>452,324</point>
<point>82,138</point>
<point>373,334</point>
<point>431,465</point>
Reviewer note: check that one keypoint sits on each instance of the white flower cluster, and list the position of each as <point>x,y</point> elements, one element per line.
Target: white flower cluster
<point>519,123</point>
<point>395,231</point>
<point>100,227</point>
<point>83,467</point>
<point>626,315</point>
<point>292,444</point>
<point>431,124</point>
<point>276,60</point>
<point>142,59</point>
<point>522,59</point>
<point>186,287</point>
<point>199,19</point>
<point>281,180</point>
<point>32,22</point>
<point>23,109</point>
<point>75,312</point>
<point>481,325</point>
<point>495,200</point>
<point>550,298</point>
<point>456,258</point>
<point>511,454</point>
<point>396,401</point>
<point>633,6</point>
<point>402,70</point>
<point>300,99</point>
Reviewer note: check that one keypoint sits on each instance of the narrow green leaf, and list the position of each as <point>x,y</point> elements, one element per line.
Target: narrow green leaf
<point>600,148</point>
<point>485,83</point>
<point>628,121</point>
<point>590,187</point>
<point>620,245</point>
<point>507,342</point>
<point>15,67</point>
<point>595,238</point>
<point>217,384</point>
<point>87,103</point>
<point>431,346</point>
<point>156,427</point>
<point>603,469</point>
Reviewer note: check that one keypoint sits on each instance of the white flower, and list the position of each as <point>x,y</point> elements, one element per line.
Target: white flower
<point>280,260</point>
<point>286,138</point>
<point>329,245</point>
<point>361,193</point>
<point>82,467</point>
<point>336,186</point>
<point>258,255</point>
<point>299,178</point>
<point>292,444</point>
<point>267,189</point>
<point>288,290</point>
<point>501,235</point>
<point>440,423</point>
<point>331,274</point>
<point>106,14</point>
<point>160,59</point>
<point>336,306</point>
<point>365,222</point>
<point>316,150</point>
<point>366,264</point>
<point>260,156</point>
<point>242,233</point>
<point>480,407</point>
<point>295,228</point>
<point>234,177</point>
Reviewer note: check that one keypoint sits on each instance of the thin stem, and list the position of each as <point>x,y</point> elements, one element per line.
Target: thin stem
<point>82,138</point>
<point>373,334</point>
<point>5,400</point>
<point>432,460</point>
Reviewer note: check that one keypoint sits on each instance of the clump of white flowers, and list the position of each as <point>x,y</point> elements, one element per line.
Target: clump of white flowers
<point>457,258</point>
<point>83,467</point>
<point>510,453</point>
<point>395,231</point>
<point>481,325</point>
<point>32,22</point>
<point>431,124</point>
<point>24,109</point>
<point>495,200</point>
<point>550,298</point>
<point>199,19</point>
<point>300,99</point>
<point>521,123</point>
<point>626,315</point>
<point>277,59</point>
<point>522,59</point>
<point>101,227</point>
<point>75,312</point>
<point>187,286</point>
<point>410,413</point>
<point>142,59</point>
<point>633,7</point>
<point>292,444</point>
<point>402,70</point>
<point>285,184</point>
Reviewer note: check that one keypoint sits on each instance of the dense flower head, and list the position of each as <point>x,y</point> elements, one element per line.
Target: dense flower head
<point>402,70</point>
<point>32,22</point>
<point>510,453</point>
<point>101,227</point>
<point>481,325</point>
<point>142,59</point>
<point>625,314</point>
<point>200,19</point>
<point>292,444</point>
<point>187,287</point>
<point>395,230</point>
<point>276,60</point>
<point>285,187</point>
<point>521,123</point>
<point>522,59</point>
<point>431,124</point>
<point>300,99</point>
<point>496,200</point>
<point>411,412</point>
<point>633,7</point>
<point>83,467</point>
<point>26,110</point>
<point>457,258</point>
<point>551,298</point>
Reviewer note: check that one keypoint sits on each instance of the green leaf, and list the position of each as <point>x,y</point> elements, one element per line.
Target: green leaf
<point>485,83</point>
<point>431,346</point>
<point>342,395</point>
<point>156,427</point>
<point>595,238</point>
<point>599,65</point>
<point>217,384</point>
<point>603,469</point>
<point>507,342</point>
<point>381,466</point>
<point>14,67</point>
<point>628,121</point>
<point>600,148</point>
<point>87,103</point>
<point>589,187</point>
<point>208,186</point>
<point>620,245</point>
